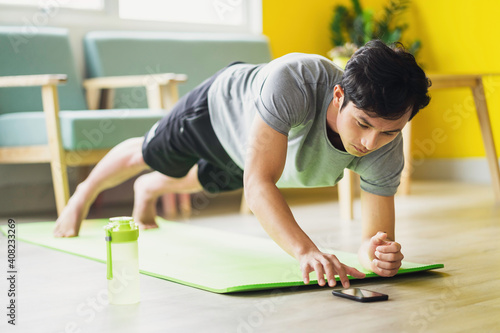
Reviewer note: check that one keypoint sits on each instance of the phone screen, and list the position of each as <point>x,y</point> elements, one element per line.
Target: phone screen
<point>357,292</point>
<point>361,295</point>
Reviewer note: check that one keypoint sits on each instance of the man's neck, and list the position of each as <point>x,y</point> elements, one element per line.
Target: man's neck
<point>334,138</point>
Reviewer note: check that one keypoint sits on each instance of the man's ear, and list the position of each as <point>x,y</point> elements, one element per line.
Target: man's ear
<point>338,96</point>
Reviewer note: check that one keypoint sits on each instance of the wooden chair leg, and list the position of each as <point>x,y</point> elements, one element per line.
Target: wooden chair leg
<point>58,160</point>
<point>404,187</point>
<point>107,99</point>
<point>346,195</point>
<point>153,94</point>
<point>169,203</point>
<point>93,98</point>
<point>169,95</point>
<point>489,143</point>
<point>185,204</point>
<point>61,186</point>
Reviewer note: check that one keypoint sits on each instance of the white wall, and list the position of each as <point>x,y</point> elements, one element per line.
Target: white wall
<point>79,22</point>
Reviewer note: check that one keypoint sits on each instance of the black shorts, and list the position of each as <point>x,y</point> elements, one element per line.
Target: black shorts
<point>185,137</point>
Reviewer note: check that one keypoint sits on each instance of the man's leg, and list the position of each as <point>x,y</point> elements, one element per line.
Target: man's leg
<point>149,187</point>
<point>121,163</point>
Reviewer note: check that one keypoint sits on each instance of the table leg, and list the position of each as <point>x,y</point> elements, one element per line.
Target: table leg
<point>404,187</point>
<point>489,143</point>
<point>346,195</point>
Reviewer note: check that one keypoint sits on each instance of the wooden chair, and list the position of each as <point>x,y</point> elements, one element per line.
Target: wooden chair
<point>38,132</point>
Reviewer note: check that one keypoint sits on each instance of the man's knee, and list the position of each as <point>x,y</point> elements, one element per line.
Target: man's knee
<point>141,184</point>
<point>153,184</point>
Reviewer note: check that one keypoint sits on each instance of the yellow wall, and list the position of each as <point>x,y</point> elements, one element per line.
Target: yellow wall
<point>458,36</point>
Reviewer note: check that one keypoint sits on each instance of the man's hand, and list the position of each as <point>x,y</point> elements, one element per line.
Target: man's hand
<point>385,255</point>
<point>324,263</point>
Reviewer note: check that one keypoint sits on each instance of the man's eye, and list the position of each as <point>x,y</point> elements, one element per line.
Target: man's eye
<point>361,125</point>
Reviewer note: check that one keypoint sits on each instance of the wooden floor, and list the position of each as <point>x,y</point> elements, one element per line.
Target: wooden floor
<point>450,223</point>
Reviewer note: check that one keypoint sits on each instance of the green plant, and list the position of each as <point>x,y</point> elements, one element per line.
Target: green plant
<point>358,26</point>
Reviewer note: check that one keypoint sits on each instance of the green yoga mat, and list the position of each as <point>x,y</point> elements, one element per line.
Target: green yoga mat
<point>199,257</point>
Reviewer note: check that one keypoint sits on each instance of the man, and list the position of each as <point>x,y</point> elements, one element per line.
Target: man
<point>298,121</point>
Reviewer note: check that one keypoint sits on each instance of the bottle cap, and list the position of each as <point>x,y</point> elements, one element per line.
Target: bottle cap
<point>122,229</point>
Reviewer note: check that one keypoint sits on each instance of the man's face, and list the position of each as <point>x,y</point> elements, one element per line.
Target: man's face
<point>362,134</point>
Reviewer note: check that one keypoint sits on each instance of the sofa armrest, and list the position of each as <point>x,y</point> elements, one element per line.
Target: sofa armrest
<point>32,80</point>
<point>161,89</point>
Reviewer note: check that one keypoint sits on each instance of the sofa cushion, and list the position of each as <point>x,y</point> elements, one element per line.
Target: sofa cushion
<point>80,130</point>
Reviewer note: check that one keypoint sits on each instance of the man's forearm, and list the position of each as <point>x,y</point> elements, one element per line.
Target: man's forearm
<point>267,203</point>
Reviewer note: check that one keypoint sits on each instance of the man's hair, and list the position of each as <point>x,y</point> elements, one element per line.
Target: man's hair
<point>385,82</point>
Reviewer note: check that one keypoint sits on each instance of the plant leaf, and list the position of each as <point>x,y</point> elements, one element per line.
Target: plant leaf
<point>368,25</point>
<point>339,13</point>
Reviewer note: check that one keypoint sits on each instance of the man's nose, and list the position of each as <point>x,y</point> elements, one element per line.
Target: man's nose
<point>369,141</point>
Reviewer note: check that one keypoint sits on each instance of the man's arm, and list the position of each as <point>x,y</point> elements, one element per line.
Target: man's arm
<point>264,164</point>
<point>379,252</point>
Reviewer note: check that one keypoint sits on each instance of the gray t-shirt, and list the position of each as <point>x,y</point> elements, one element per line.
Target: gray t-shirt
<point>292,94</point>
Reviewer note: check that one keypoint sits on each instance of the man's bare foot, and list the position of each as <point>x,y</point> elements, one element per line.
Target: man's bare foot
<point>69,222</point>
<point>144,215</point>
<point>149,225</point>
<point>144,212</point>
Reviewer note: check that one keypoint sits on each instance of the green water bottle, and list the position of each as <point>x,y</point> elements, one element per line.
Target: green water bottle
<point>122,260</point>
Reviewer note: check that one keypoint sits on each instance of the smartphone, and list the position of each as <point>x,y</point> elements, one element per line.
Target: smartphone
<point>360,295</point>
